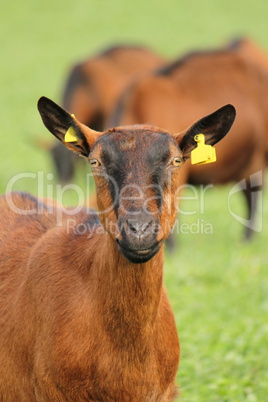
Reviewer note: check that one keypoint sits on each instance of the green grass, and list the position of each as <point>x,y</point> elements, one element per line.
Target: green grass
<point>218,287</point>
<point>217,284</point>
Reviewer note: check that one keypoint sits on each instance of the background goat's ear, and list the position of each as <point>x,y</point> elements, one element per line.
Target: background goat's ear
<point>214,127</point>
<point>64,126</point>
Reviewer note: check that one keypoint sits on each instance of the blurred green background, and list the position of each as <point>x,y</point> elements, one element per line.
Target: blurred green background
<point>217,284</point>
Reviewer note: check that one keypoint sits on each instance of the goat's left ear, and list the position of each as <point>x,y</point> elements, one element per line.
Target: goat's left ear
<point>66,128</point>
<point>214,127</point>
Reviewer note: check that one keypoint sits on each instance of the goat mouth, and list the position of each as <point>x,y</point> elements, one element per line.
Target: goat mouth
<point>138,256</point>
<point>143,252</point>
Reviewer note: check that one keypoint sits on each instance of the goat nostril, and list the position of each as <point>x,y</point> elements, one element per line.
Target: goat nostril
<point>132,227</point>
<point>139,227</point>
<point>147,225</point>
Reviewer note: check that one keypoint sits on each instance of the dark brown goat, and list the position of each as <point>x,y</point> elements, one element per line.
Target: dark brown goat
<point>84,315</point>
<point>183,91</point>
<point>92,89</point>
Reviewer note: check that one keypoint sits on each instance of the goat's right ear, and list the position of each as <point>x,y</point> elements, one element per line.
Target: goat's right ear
<point>64,126</point>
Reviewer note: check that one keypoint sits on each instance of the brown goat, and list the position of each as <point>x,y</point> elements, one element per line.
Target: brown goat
<point>85,316</point>
<point>181,92</point>
<point>92,89</point>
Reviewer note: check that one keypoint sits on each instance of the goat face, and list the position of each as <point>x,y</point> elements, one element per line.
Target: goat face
<point>136,171</point>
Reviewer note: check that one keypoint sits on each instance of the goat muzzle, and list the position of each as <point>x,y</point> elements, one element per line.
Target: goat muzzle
<point>138,241</point>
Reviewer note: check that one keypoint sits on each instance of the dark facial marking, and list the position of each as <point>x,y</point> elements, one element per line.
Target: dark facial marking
<point>139,152</point>
<point>157,157</point>
<point>114,162</point>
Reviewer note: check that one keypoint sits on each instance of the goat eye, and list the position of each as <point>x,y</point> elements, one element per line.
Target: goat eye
<point>177,162</point>
<point>94,163</point>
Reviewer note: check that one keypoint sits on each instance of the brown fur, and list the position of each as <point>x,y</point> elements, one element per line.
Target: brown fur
<point>48,354</point>
<point>183,91</point>
<point>79,320</point>
<point>102,78</point>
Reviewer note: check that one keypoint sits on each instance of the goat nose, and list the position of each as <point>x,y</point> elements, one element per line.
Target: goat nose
<point>139,227</point>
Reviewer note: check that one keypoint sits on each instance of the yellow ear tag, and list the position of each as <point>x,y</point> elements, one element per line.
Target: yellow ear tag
<point>202,153</point>
<point>70,135</point>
